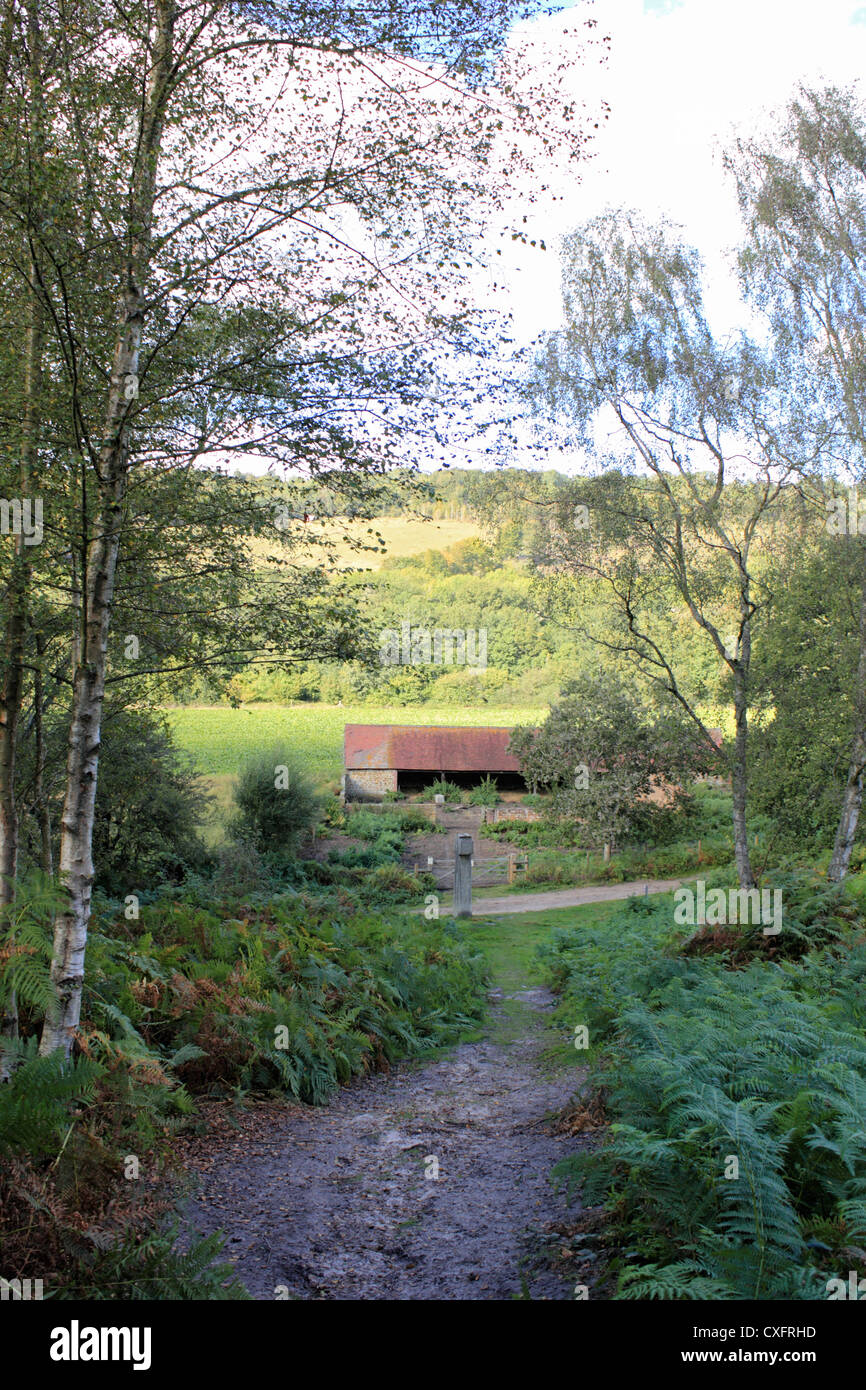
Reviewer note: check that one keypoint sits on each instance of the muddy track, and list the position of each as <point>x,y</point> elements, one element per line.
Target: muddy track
<point>340,1202</point>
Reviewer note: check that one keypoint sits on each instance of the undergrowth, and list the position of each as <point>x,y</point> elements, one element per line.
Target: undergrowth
<point>293,994</point>
<point>734,1165</point>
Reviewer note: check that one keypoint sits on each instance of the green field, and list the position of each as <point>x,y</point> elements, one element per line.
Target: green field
<point>220,739</point>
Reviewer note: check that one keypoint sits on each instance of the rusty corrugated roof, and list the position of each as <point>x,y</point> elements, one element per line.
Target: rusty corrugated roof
<point>428,748</point>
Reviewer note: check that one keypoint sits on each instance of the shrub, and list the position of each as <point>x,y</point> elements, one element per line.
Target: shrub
<point>384,850</point>
<point>64,1131</point>
<point>486,793</point>
<point>333,813</point>
<point>239,869</point>
<point>149,803</point>
<point>365,824</point>
<point>276,804</point>
<point>442,787</point>
<point>200,992</point>
<point>393,881</point>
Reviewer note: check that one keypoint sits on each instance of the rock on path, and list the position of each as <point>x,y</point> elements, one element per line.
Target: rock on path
<point>333,1202</point>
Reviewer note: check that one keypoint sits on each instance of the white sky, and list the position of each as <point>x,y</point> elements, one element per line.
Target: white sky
<point>682,75</point>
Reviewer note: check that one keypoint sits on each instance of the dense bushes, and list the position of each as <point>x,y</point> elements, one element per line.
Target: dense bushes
<point>735,1163</point>
<point>70,1214</point>
<point>351,991</point>
<point>150,802</point>
<point>276,804</point>
<point>442,787</point>
<point>485,794</point>
<point>695,836</point>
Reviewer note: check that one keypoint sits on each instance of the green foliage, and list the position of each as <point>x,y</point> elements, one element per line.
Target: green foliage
<point>35,1099</point>
<point>385,849</point>
<point>26,937</point>
<point>806,663</point>
<point>442,787</point>
<point>365,824</point>
<point>150,1266</point>
<point>485,794</point>
<point>702,1065</point>
<point>603,751</point>
<point>352,989</point>
<point>275,801</point>
<point>694,835</point>
<point>84,1115</point>
<point>149,803</point>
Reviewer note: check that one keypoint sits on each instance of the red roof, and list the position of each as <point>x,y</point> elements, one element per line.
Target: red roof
<point>428,748</point>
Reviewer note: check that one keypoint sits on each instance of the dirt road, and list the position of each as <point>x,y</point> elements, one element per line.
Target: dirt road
<point>569,897</point>
<point>429,1182</point>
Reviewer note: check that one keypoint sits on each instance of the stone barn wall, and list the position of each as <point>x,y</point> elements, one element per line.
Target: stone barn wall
<point>367,783</point>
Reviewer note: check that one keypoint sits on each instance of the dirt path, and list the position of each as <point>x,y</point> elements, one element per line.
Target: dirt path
<point>336,1203</point>
<point>569,897</point>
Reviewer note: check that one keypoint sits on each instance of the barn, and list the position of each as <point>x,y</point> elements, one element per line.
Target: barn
<point>406,757</point>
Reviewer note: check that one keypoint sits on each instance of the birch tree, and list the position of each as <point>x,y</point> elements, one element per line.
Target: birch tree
<point>23,398</point>
<point>803,196</point>
<point>681,432</point>
<point>307,174</point>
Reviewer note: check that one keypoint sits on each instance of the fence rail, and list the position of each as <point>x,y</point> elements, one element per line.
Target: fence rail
<point>512,863</point>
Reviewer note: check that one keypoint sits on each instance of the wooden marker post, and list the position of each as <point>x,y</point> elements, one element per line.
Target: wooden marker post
<point>463,877</point>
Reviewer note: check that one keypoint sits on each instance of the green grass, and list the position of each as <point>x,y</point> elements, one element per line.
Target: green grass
<point>508,944</point>
<point>220,739</point>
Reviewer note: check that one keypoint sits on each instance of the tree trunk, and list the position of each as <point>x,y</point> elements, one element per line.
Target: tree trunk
<point>852,797</point>
<point>17,594</point>
<point>82,764</point>
<point>739,779</point>
<point>43,813</point>
<point>76,863</point>
<point>10,705</point>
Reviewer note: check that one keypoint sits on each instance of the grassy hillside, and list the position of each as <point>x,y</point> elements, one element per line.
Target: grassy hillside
<point>402,536</point>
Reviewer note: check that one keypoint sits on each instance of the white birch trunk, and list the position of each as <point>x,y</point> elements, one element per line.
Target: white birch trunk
<point>852,797</point>
<point>82,765</point>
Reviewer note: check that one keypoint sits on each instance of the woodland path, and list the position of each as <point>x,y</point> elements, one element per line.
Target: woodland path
<point>569,897</point>
<point>333,1202</point>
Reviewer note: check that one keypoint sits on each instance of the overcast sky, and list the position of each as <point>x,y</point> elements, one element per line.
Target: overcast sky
<point>682,75</point>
